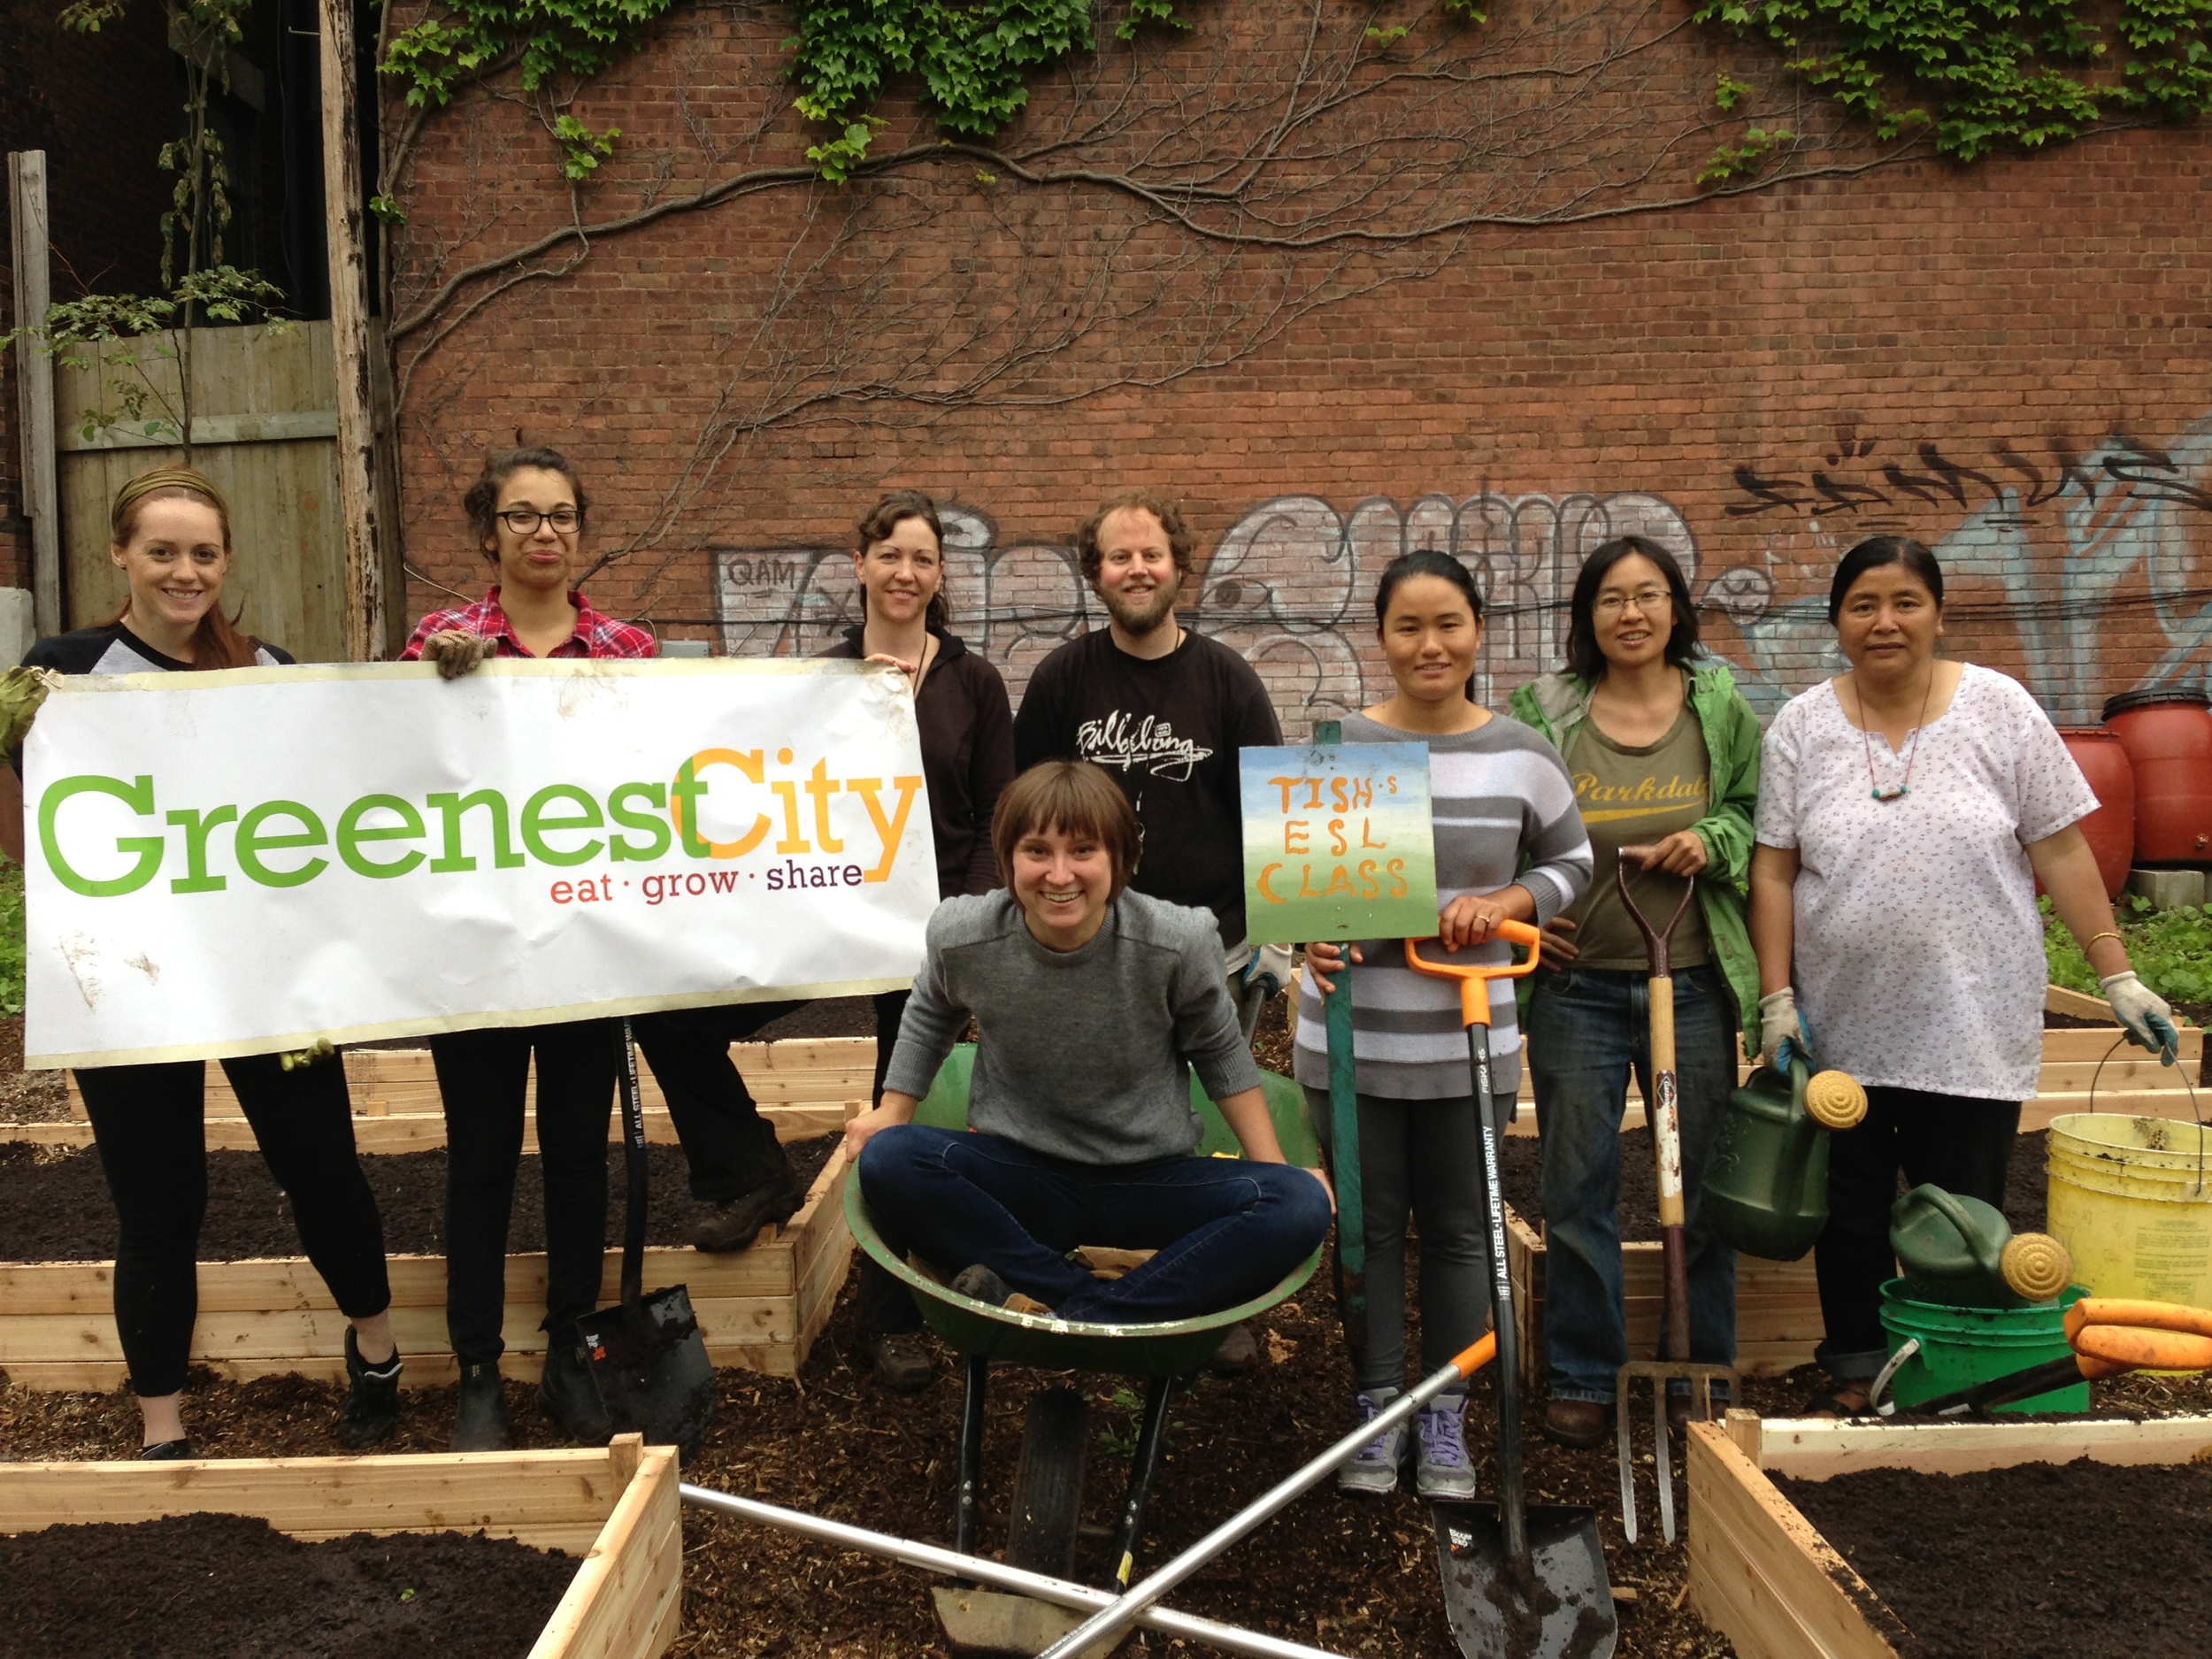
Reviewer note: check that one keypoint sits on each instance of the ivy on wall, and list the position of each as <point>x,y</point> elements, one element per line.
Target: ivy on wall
<point>1975,75</point>
<point>1981,75</point>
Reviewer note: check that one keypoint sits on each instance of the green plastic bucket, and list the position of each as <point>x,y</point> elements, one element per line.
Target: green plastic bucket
<point>1960,1347</point>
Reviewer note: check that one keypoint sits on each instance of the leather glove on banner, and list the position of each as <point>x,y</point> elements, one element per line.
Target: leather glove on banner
<point>457,652</point>
<point>22,692</point>
<point>2149,1022</point>
<point>1783,1033</point>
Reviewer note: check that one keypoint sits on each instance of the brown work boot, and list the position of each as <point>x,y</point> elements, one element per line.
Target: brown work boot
<point>1579,1424</point>
<point>734,1225</point>
<point>1238,1352</point>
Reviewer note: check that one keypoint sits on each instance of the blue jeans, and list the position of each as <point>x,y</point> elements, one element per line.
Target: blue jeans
<point>1587,1028</point>
<point>1225,1230</point>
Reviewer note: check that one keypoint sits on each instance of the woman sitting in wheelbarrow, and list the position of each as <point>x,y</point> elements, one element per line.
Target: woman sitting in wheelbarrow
<point>1091,1000</point>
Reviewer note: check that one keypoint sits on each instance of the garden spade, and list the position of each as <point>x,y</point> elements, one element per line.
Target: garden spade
<point>1663,1109</point>
<point>1521,1581</point>
<point>645,1354</point>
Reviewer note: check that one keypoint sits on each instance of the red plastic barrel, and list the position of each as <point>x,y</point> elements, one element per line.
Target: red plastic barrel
<point>2168,735</point>
<point>2110,829</point>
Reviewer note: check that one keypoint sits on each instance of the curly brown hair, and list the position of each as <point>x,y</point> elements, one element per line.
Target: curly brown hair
<point>1179,540</point>
<point>481,503</point>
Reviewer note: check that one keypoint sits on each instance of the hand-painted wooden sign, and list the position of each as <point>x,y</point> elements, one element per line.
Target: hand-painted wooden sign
<point>1338,843</point>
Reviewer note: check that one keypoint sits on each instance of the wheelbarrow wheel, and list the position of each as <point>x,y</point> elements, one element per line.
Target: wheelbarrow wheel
<point>1048,1500</point>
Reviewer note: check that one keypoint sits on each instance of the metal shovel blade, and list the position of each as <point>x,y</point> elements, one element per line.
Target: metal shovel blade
<point>1564,1610</point>
<point>650,1364</point>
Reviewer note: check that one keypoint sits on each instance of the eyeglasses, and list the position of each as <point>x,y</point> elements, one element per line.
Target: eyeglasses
<point>526,520</point>
<point>1649,601</point>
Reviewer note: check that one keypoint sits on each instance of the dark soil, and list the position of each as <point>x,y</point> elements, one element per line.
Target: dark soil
<point>27,1097</point>
<point>1354,1576</point>
<point>57,1208</point>
<point>832,1017</point>
<point>232,1587</point>
<point>2086,1561</point>
<point>1521,1162</point>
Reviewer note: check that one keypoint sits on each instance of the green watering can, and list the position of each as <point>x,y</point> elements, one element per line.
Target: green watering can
<point>1766,1185</point>
<point>1961,1252</point>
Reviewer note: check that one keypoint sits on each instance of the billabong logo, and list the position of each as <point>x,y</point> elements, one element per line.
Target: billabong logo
<point>1123,741</point>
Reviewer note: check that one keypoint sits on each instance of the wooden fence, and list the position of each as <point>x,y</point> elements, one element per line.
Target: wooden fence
<point>264,428</point>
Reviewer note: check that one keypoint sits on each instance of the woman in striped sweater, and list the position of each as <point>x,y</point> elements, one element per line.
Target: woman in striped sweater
<point>1509,845</point>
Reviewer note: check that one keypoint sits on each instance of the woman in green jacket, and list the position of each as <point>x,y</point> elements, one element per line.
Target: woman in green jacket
<point>1666,759</point>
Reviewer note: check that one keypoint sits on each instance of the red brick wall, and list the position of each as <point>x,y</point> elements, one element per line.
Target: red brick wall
<point>101,106</point>
<point>2008,361</point>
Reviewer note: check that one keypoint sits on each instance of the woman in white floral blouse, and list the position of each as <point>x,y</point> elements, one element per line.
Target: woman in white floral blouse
<point>1907,809</point>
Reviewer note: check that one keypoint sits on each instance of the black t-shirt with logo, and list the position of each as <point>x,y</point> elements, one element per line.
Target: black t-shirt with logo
<point>1168,729</point>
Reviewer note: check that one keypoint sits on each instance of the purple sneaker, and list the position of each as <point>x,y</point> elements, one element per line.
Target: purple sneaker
<point>1445,1471</point>
<point>1374,1467</point>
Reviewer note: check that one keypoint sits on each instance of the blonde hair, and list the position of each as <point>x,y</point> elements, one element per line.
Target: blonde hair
<point>217,642</point>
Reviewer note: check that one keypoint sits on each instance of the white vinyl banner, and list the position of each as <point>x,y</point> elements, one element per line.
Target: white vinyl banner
<point>235,863</point>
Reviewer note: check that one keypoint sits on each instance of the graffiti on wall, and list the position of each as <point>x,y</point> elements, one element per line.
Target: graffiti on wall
<point>2069,550</point>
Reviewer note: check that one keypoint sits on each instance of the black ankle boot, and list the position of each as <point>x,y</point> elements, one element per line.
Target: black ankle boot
<point>373,1407</point>
<point>567,1394</point>
<point>480,1423</point>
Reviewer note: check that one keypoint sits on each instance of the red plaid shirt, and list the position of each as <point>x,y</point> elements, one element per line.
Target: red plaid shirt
<point>596,635</point>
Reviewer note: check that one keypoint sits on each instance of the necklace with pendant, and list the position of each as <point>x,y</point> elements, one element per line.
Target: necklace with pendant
<point>1881,791</point>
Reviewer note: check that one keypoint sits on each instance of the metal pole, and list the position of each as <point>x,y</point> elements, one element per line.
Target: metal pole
<point>1129,1606</point>
<point>1060,1592</point>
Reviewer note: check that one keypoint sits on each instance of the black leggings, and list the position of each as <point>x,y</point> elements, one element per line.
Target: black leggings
<point>1963,1146</point>
<point>147,1121</point>
<point>482,1077</point>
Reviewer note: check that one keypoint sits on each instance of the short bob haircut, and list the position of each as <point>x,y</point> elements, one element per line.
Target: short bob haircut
<point>481,503</point>
<point>1877,551</point>
<point>1075,798</point>
<point>1584,661</point>
<point>893,509</point>
<point>1179,540</point>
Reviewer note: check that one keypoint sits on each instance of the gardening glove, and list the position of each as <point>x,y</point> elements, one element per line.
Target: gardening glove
<point>22,691</point>
<point>1783,1036</point>
<point>457,652</point>
<point>2150,1022</point>
<point>292,1060</point>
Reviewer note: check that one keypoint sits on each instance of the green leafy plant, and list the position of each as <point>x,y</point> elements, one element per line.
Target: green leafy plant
<point>2012,75</point>
<point>201,288</point>
<point>2171,950</point>
<point>1728,91</point>
<point>1744,160</point>
<point>11,948</point>
<point>971,60</point>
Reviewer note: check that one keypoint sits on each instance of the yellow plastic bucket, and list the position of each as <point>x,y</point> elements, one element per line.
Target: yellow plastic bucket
<point>2129,1200</point>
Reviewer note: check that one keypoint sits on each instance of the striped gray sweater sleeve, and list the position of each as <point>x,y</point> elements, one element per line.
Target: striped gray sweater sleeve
<point>1504,811</point>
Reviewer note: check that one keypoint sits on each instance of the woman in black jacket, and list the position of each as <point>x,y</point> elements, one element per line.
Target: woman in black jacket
<point>170,533</point>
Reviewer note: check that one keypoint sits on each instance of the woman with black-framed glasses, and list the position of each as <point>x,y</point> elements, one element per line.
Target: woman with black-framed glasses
<point>527,511</point>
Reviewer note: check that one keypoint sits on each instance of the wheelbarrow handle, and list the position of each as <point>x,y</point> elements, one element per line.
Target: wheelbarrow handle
<point>1474,977</point>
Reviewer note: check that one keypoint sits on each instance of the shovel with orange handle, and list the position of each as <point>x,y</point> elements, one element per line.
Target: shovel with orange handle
<point>1496,1556</point>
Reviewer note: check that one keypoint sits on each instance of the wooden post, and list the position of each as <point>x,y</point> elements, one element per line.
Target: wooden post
<point>350,328</point>
<point>34,385</point>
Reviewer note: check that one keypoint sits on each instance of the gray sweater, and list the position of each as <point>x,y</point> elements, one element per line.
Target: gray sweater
<point>1083,1051</point>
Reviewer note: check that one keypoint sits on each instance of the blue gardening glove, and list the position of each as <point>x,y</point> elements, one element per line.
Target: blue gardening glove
<point>2149,1022</point>
<point>1783,1036</point>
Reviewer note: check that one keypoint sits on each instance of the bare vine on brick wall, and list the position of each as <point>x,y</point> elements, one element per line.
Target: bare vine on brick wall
<point>1163,209</point>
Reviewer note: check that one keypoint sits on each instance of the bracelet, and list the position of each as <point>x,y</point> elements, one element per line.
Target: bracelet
<point>2093,938</point>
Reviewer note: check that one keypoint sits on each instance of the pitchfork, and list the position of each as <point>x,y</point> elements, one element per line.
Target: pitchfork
<point>1663,1107</point>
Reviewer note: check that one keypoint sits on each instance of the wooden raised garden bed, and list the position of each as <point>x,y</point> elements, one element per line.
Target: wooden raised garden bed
<point>617,1509</point>
<point>1763,1575</point>
<point>805,1086</point>
<point>761,1309</point>
<point>1778,1323</point>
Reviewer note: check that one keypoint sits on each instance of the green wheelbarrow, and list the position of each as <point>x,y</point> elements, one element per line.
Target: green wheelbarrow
<point>1047,1503</point>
